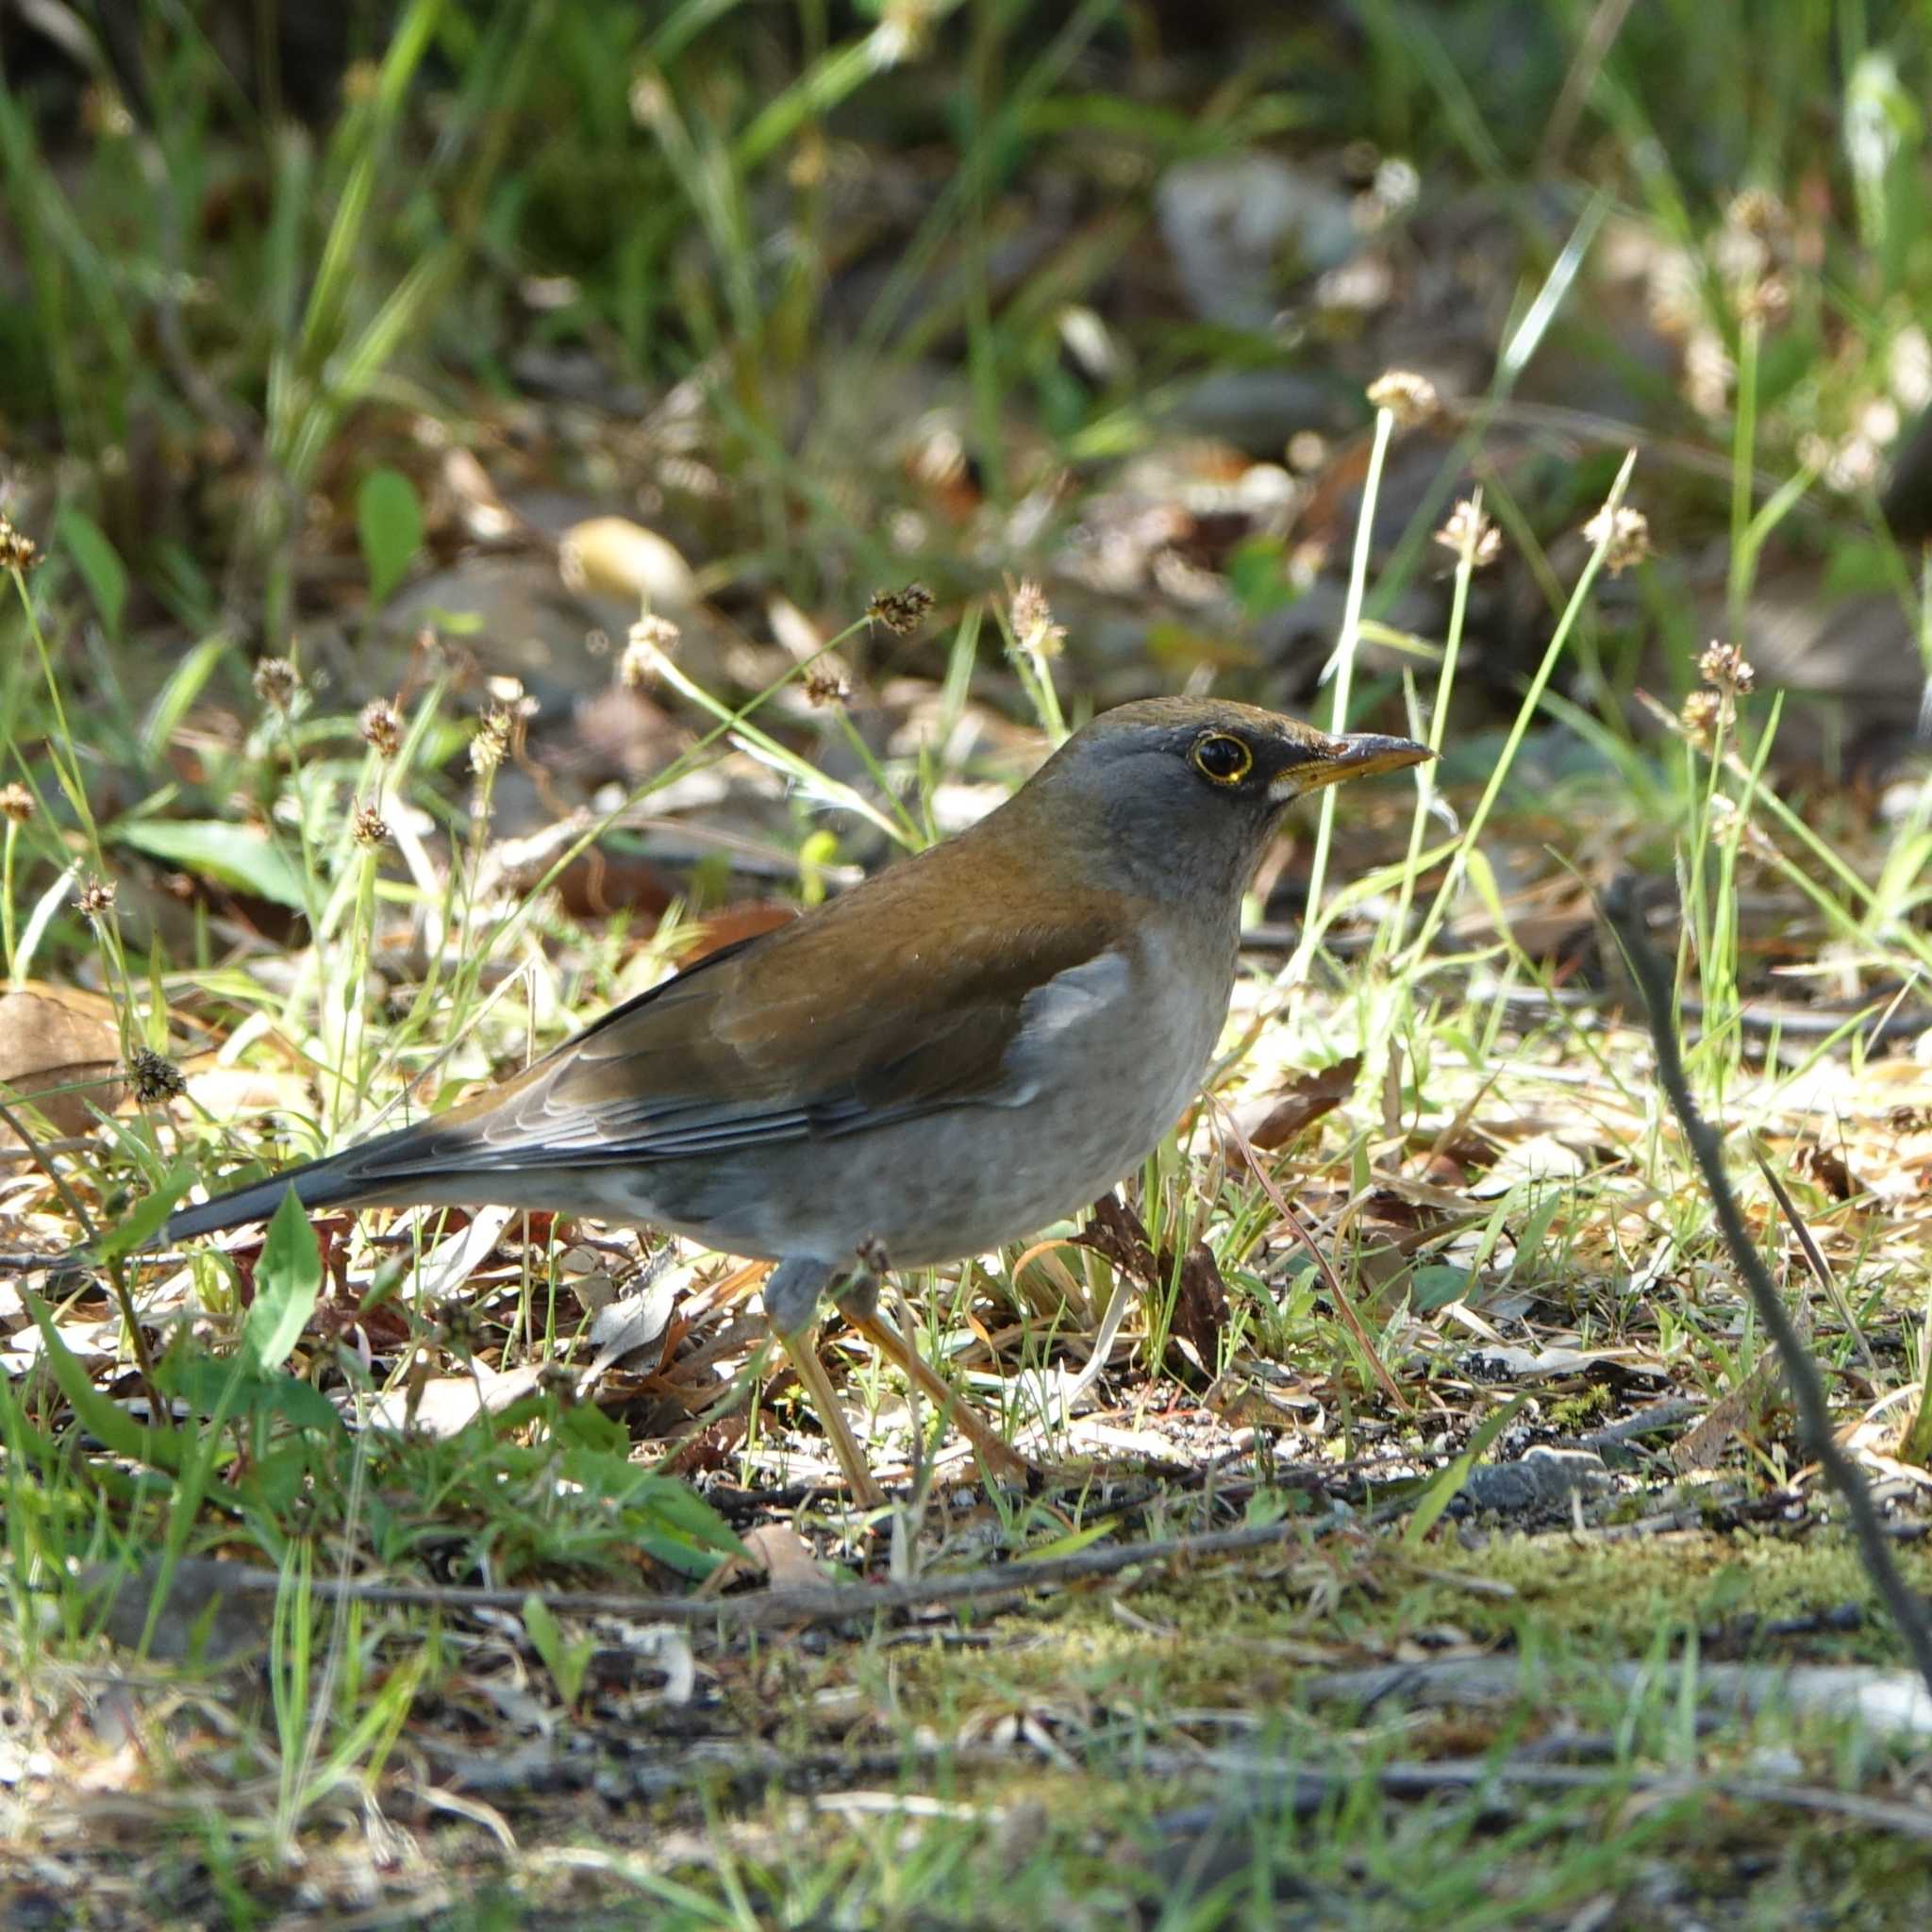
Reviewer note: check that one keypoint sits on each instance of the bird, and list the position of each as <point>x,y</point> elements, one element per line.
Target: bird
<point>957,1052</point>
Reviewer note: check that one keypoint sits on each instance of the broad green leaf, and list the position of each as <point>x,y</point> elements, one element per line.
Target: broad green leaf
<point>106,1420</point>
<point>235,856</point>
<point>682,1510</point>
<point>288,1280</point>
<point>389,519</point>
<point>213,1389</point>
<point>1436,1286</point>
<point>98,563</point>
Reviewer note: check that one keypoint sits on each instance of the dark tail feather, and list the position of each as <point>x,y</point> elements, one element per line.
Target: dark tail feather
<point>338,1180</point>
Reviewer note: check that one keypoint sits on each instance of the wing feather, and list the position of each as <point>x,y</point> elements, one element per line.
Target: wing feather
<point>836,1025</point>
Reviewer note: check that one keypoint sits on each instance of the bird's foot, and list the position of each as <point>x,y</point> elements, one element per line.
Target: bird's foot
<point>792,1298</point>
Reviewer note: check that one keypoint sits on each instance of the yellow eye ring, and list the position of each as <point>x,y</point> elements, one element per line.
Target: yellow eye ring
<point>1222,758</point>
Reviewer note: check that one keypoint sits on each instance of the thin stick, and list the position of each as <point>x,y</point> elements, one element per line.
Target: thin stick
<point>1814,1256</point>
<point>766,1608</point>
<point>1909,1612</point>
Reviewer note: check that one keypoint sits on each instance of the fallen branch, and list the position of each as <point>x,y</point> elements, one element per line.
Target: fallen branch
<point>206,1579</point>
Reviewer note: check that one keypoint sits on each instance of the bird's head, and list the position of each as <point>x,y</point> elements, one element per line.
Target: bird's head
<point>1185,793</point>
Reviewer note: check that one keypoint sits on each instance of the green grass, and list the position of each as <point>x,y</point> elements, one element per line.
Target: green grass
<point>806,219</point>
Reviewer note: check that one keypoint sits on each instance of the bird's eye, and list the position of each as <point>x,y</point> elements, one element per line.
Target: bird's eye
<point>1225,760</point>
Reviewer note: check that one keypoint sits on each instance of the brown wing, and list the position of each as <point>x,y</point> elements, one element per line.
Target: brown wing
<point>852,1017</point>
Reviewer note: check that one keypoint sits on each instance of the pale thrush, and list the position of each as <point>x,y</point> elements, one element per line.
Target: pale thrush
<point>948,1057</point>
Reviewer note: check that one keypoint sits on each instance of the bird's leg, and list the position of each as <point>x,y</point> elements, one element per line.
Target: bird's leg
<point>791,1297</point>
<point>859,1301</point>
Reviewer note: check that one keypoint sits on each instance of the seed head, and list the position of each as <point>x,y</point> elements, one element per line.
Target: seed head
<point>17,803</point>
<point>649,642</point>
<point>277,681</point>
<point>154,1076</point>
<point>901,611</point>
<point>95,899</point>
<point>1704,712</point>
<point>1766,301</point>
<point>1409,397</point>
<point>1625,534</point>
<point>368,827</point>
<point>18,551</point>
<point>827,687</point>
<point>1757,211</point>
<point>491,744</point>
<point>1034,630</point>
<point>1470,534</point>
<point>1727,669</point>
<point>381,726</point>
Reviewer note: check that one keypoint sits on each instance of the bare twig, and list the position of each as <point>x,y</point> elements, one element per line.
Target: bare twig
<point>1908,1610</point>
<point>1814,1256</point>
<point>760,1610</point>
<point>1307,1789</point>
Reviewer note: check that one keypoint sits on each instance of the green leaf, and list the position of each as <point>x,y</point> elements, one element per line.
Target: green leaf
<point>140,1227</point>
<point>1071,1544</point>
<point>1536,1230</point>
<point>1444,1487</point>
<point>98,563</point>
<point>288,1282</point>
<point>680,1510</point>
<point>389,518</point>
<point>565,1661</point>
<point>106,1420</point>
<point>184,685</point>
<point>213,1388</point>
<point>238,857</point>
<point>1436,1286</point>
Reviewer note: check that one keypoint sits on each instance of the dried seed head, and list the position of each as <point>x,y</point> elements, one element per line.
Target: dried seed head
<point>1625,535</point>
<point>1757,211</point>
<point>901,611</point>
<point>1766,301</point>
<point>277,681</point>
<point>381,726</point>
<point>650,104</point>
<point>1704,712</point>
<point>1470,534</point>
<point>368,827</point>
<point>491,744</point>
<point>16,803</point>
<point>1409,397</point>
<point>95,899</point>
<point>105,115</point>
<point>1031,616</point>
<point>647,643</point>
<point>1725,667</point>
<point>822,687</point>
<point>18,551</point>
<point>154,1076</point>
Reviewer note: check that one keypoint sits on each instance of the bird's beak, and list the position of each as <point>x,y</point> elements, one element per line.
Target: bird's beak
<point>1359,757</point>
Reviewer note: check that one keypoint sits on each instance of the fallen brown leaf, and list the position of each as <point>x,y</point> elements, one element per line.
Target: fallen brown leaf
<point>60,1053</point>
